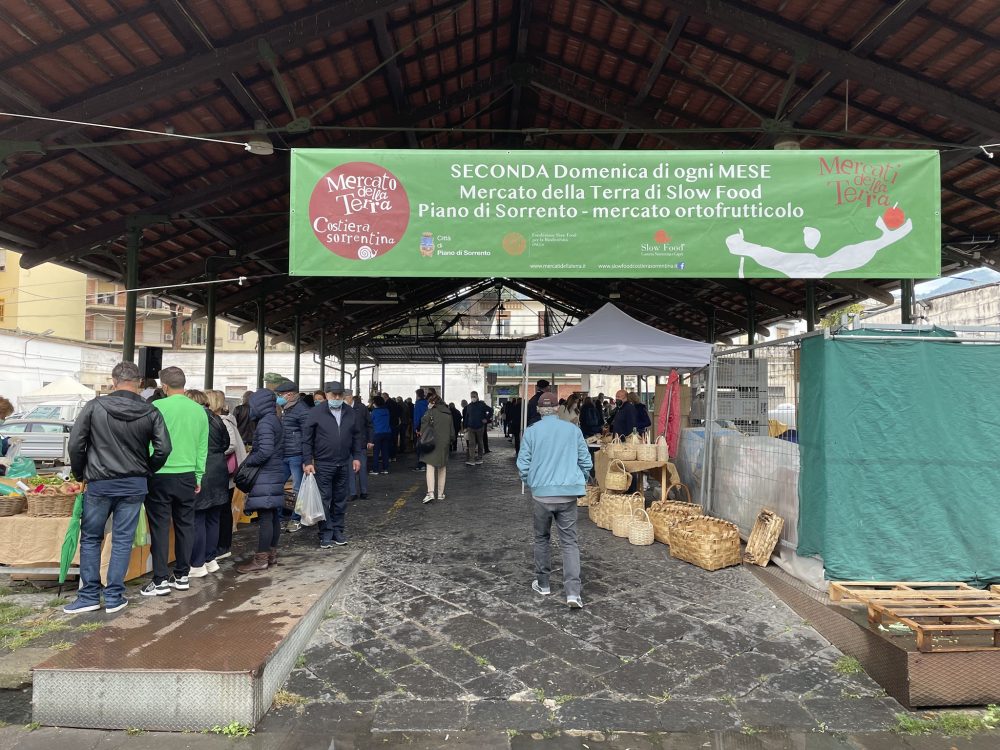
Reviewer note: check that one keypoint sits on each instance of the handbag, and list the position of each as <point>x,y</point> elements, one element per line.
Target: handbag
<point>246,477</point>
<point>231,465</point>
<point>427,441</point>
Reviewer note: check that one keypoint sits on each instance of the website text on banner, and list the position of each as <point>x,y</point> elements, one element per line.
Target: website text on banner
<point>745,214</point>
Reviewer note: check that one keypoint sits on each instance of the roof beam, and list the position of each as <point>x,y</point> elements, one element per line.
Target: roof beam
<point>780,34</point>
<point>191,71</point>
<point>863,289</point>
<point>394,78</point>
<point>765,298</point>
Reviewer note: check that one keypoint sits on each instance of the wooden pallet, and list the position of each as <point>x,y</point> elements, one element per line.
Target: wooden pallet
<point>862,591</point>
<point>930,616</point>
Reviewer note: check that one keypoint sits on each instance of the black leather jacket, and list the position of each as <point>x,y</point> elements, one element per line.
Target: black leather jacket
<point>111,438</point>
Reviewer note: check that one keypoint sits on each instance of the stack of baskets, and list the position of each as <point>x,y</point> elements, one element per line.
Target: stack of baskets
<point>665,513</point>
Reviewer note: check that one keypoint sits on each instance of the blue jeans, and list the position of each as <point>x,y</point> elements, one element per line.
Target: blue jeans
<point>293,469</point>
<point>383,451</point>
<point>125,517</point>
<point>352,478</point>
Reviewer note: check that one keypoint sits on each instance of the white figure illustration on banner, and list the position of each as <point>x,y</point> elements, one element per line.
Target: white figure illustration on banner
<point>812,266</point>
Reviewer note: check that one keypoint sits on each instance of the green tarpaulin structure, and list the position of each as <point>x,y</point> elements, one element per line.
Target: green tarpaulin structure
<point>900,465</point>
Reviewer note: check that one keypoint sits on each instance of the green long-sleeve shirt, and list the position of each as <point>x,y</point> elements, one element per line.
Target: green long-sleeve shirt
<point>187,424</point>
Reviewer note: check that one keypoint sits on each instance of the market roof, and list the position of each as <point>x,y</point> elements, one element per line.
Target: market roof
<point>461,74</point>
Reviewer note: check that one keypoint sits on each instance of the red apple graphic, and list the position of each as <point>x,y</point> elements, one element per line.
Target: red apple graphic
<point>661,237</point>
<point>893,217</point>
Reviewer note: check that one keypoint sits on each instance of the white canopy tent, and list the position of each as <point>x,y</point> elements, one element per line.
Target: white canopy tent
<point>61,389</point>
<point>609,341</point>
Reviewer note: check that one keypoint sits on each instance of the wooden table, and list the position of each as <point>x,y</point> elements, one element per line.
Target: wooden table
<point>668,473</point>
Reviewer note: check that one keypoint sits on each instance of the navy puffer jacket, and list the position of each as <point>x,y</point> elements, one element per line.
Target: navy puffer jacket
<point>268,453</point>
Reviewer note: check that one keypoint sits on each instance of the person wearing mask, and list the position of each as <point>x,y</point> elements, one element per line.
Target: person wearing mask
<point>293,415</point>
<point>382,426</point>
<point>542,386</point>
<point>331,447</point>
<point>642,420</point>
<point>267,496</point>
<point>474,422</point>
<point>626,415</point>
<point>307,399</point>
<point>173,488</point>
<point>394,420</point>
<point>357,481</point>
<point>235,456</point>
<point>456,419</point>
<point>272,380</point>
<point>213,499</point>
<point>554,463</point>
<point>590,422</point>
<point>242,415</point>
<point>438,419</point>
<point>117,443</point>
<point>319,397</point>
<point>419,409</point>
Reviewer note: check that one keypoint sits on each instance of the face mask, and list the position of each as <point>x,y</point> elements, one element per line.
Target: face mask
<point>282,400</point>
<point>335,403</point>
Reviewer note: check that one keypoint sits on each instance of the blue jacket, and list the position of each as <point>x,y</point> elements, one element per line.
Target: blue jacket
<point>474,415</point>
<point>292,420</point>
<point>626,419</point>
<point>381,422</point>
<point>324,443</point>
<point>268,453</point>
<point>419,409</point>
<point>554,460</point>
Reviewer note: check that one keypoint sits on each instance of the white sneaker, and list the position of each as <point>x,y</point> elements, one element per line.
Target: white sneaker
<point>429,497</point>
<point>212,566</point>
<point>470,463</point>
<point>199,572</point>
<point>538,588</point>
<point>223,556</point>
<point>574,602</point>
<point>479,462</point>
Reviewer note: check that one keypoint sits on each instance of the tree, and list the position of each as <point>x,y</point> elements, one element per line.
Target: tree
<point>832,319</point>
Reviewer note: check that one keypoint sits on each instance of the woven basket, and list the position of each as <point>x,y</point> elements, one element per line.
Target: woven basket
<point>763,538</point>
<point>593,492</point>
<point>11,505</point>
<point>620,523</point>
<point>707,542</point>
<point>645,452</point>
<point>611,503</point>
<point>620,512</point>
<point>662,449</point>
<point>617,477</point>
<point>665,513</point>
<point>617,450</point>
<point>634,439</point>
<point>594,511</point>
<point>50,506</point>
<point>640,530</point>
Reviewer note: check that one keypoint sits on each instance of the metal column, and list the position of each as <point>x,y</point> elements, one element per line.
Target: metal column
<point>711,325</point>
<point>442,383</point>
<point>906,301</point>
<point>298,348</point>
<point>343,357</point>
<point>810,305</point>
<point>751,320</point>
<point>210,344</point>
<point>131,284</point>
<point>322,359</point>
<point>357,372</point>
<point>261,342</point>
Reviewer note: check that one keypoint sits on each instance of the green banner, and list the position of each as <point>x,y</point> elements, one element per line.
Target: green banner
<point>607,214</point>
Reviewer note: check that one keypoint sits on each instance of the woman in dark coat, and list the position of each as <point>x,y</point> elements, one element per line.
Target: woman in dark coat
<point>437,418</point>
<point>214,491</point>
<point>267,496</point>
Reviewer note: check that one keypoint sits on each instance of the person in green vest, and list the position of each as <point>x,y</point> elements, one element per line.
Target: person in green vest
<point>173,487</point>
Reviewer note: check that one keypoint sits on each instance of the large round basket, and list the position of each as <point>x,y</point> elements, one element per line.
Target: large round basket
<point>50,506</point>
<point>665,513</point>
<point>620,522</point>
<point>611,503</point>
<point>617,477</point>
<point>709,543</point>
<point>640,528</point>
<point>11,505</point>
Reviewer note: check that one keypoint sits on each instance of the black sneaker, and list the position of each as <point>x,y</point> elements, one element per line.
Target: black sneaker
<point>324,544</point>
<point>112,608</point>
<point>364,495</point>
<point>181,584</point>
<point>339,539</point>
<point>155,589</point>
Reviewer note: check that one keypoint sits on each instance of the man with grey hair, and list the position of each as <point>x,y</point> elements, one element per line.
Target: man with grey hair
<point>554,462</point>
<point>117,443</point>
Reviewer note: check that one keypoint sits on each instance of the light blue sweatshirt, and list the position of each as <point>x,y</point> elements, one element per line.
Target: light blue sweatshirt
<point>554,460</point>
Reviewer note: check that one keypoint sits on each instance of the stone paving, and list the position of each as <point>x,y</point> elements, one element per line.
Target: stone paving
<point>440,631</point>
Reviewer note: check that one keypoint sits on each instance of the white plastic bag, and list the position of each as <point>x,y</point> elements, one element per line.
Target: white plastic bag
<point>309,504</point>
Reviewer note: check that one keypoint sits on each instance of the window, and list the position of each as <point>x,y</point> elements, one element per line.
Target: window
<point>104,298</point>
<point>199,334</point>
<point>103,329</point>
<point>47,427</point>
<point>234,333</point>
<point>13,428</point>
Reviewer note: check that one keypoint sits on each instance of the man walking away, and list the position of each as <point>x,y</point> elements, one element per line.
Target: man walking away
<point>475,425</point>
<point>357,482</point>
<point>109,448</point>
<point>173,487</point>
<point>554,462</point>
<point>542,386</point>
<point>419,409</point>
<point>331,447</point>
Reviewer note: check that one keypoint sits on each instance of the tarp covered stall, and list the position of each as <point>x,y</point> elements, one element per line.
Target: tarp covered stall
<point>899,469</point>
<point>609,341</point>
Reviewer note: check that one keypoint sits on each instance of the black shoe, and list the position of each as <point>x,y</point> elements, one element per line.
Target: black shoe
<point>364,495</point>
<point>339,539</point>
<point>352,498</point>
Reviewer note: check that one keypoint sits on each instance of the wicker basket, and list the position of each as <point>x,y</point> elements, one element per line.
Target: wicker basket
<point>11,505</point>
<point>645,452</point>
<point>662,449</point>
<point>763,538</point>
<point>617,450</point>
<point>594,510</point>
<point>665,513</point>
<point>707,542</point>
<point>620,522</point>
<point>617,478</point>
<point>620,512</point>
<point>640,530</point>
<point>50,506</point>
<point>592,494</point>
<point>609,501</point>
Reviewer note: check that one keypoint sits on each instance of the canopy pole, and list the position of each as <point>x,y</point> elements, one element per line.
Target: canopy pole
<point>442,380</point>
<point>524,401</point>
<point>131,284</point>
<point>322,359</point>
<point>210,325</point>
<point>261,341</point>
<point>810,305</point>
<point>298,348</point>
<point>711,410</point>
<point>906,301</point>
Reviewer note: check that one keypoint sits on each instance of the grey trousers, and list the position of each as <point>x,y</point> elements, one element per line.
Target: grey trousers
<point>474,443</point>
<point>564,515</point>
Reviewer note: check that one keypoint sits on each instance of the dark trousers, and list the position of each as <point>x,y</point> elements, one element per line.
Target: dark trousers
<point>516,432</point>
<point>394,442</point>
<point>269,529</point>
<point>171,496</point>
<point>564,516</point>
<point>225,528</point>
<point>332,481</point>
<point>382,451</point>
<point>486,438</point>
<point>206,535</point>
